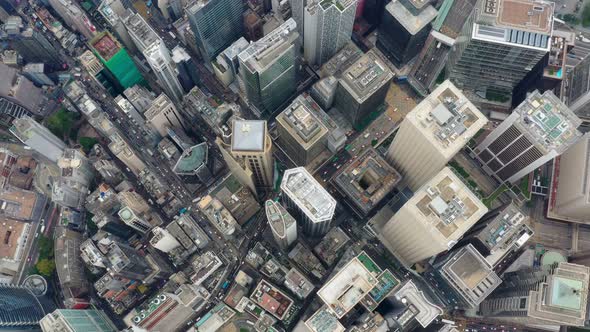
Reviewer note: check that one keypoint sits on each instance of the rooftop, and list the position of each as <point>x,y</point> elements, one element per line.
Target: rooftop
<point>218,215</point>
<point>309,195</point>
<point>11,237</point>
<point>20,204</point>
<point>266,50</point>
<point>204,266</point>
<point>301,122</point>
<point>365,76</point>
<point>470,275</point>
<point>426,311</point>
<point>563,298</point>
<point>191,160</point>
<point>549,121</point>
<point>348,287</point>
<point>331,245</point>
<point>366,180</point>
<point>336,65</point>
<point>297,283</point>
<point>412,23</point>
<point>271,299</point>
<point>447,118</point>
<point>323,320</point>
<point>141,29</point>
<point>446,204</point>
<point>249,135</point>
<point>278,217</point>
<point>105,45</point>
<point>526,15</point>
<point>215,318</point>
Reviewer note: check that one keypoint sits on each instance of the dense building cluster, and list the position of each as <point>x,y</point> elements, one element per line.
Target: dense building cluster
<point>294,165</point>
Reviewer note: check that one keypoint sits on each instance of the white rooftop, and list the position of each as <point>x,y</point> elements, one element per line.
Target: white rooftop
<point>309,195</point>
<point>248,135</point>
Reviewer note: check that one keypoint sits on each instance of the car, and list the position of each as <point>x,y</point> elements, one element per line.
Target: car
<point>29,259</point>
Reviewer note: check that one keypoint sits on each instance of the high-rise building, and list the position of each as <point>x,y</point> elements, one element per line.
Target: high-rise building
<point>282,224</point>
<point>251,143</point>
<point>362,89</point>
<point>74,17</point>
<point>538,130</point>
<point>124,152</point>
<point>469,276</point>
<point>432,133</point>
<point>309,199</point>
<point>268,68</point>
<point>302,135</point>
<point>36,73</point>
<point>577,85</point>
<point>404,28</point>
<point>195,161</point>
<point>163,115</point>
<point>498,234</point>
<point>19,308</point>
<point>65,320</point>
<point>163,240</point>
<point>327,28</point>
<point>76,174</point>
<point>253,26</point>
<point>433,220</point>
<point>188,74</point>
<point>33,46</point>
<point>498,46</point>
<point>543,296</point>
<point>156,53</point>
<point>38,138</point>
<point>116,59</point>
<point>139,97</point>
<point>216,24</point>
<point>227,63</point>
<point>125,261</point>
<point>571,182</point>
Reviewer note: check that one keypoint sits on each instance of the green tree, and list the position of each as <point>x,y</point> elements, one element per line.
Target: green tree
<point>45,246</point>
<point>45,267</point>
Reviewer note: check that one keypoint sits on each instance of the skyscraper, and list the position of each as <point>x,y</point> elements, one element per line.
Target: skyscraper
<point>577,95</point>
<point>302,135</point>
<point>77,321</point>
<point>163,115</point>
<point>469,276</point>
<point>309,199</point>
<point>328,27</point>
<point>19,308</point>
<point>432,133</point>
<point>156,53</point>
<point>499,44</point>
<point>403,30</point>
<point>252,145</point>
<point>433,220</point>
<point>33,46</point>
<point>548,295</point>
<point>216,24</point>
<point>362,89</point>
<point>571,182</point>
<point>282,224</point>
<point>268,68</point>
<point>38,137</point>
<point>538,130</point>
<point>116,59</point>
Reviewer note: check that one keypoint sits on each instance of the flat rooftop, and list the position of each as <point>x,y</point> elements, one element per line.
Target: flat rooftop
<point>336,65</point>
<point>502,230</point>
<point>297,283</point>
<point>412,23</point>
<point>324,320</point>
<point>452,16</point>
<point>279,219</point>
<point>20,204</point>
<point>302,124</point>
<point>106,46</point>
<point>260,54</point>
<point>141,29</point>
<point>11,232</point>
<point>248,135</point>
<point>366,180</point>
<point>331,245</point>
<point>348,287</point>
<point>527,15</point>
<point>447,118</point>
<point>446,204</point>
<point>427,311</point>
<point>271,299</point>
<point>309,195</point>
<point>564,299</point>
<point>470,275</point>
<point>549,121</point>
<point>215,318</point>
<point>366,76</point>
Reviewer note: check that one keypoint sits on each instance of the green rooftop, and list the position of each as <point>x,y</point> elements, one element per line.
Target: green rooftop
<point>192,159</point>
<point>567,293</point>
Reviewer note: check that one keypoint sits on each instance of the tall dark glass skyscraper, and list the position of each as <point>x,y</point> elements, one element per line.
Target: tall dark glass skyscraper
<point>19,307</point>
<point>216,24</point>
